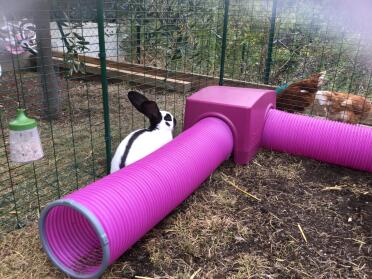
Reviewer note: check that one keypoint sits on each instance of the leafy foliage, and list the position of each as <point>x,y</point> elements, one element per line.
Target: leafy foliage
<point>186,35</point>
<point>75,44</point>
<point>67,18</point>
<point>174,34</point>
<point>308,38</point>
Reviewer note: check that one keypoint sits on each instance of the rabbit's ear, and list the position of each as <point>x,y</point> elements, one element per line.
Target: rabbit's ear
<point>137,99</point>
<point>148,108</point>
<point>151,110</point>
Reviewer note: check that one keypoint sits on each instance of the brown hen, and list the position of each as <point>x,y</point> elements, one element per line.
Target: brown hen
<point>301,94</point>
<point>345,107</point>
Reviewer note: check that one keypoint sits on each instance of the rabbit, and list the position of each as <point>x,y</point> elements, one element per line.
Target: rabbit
<point>141,143</point>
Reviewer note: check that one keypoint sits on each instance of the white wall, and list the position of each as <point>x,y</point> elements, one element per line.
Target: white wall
<point>90,32</point>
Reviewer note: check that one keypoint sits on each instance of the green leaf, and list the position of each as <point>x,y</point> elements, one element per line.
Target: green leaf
<point>81,38</point>
<point>83,43</point>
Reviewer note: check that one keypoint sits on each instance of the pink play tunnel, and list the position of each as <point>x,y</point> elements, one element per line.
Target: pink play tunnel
<point>324,140</point>
<point>89,229</point>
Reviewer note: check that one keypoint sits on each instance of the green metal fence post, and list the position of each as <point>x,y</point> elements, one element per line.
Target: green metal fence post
<point>269,57</point>
<point>138,42</point>
<point>105,98</point>
<point>224,41</point>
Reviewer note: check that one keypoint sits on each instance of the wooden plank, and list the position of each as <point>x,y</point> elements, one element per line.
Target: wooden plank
<point>120,65</point>
<point>138,77</point>
<point>180,81</point>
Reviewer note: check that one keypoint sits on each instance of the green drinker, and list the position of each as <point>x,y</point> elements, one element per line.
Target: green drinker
<point>24,139</point>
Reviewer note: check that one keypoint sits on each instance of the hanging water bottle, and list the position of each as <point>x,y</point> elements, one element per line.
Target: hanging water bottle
<point>24,139</point>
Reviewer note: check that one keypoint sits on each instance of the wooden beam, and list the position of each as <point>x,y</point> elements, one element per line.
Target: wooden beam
<point>142,74</point>
<point>138,77</point>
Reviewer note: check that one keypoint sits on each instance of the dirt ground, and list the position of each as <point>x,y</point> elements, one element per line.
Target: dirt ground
<point>281,216</point>
<point>223,232</point>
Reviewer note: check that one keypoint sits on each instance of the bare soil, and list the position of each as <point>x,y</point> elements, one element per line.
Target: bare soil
<point>221,232</point>
<point>281,216</point>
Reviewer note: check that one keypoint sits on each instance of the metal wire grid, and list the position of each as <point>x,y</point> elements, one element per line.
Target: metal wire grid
<point>169,38</point>
<point>73,143</point>
<point>266,41</point>
<point>147,33</point>
<point>278,41</point>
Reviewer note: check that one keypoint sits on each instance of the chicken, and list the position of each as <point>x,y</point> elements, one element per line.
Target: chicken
<point>305,97</point>
<point>301,94</point>
<point>345,107</point>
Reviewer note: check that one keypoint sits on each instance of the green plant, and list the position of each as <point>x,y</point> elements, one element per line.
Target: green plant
<point>74,43</point>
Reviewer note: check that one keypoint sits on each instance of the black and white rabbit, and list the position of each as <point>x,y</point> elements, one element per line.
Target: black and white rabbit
<point>141,143</point>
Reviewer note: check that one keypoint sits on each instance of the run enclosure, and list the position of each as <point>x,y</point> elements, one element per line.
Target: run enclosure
<point>167,49</point>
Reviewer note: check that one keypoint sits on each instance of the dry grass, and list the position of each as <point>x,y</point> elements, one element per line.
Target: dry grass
<point>219,232</point>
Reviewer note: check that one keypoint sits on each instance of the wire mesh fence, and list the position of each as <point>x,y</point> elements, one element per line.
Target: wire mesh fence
<point>67,107</point>
<point>51,58</point>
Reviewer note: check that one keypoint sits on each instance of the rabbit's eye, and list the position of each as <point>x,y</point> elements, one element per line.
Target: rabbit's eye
<point>167,124</point>
<point>168,117</point>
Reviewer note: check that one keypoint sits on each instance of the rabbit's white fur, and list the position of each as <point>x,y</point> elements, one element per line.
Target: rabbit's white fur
<point>146,143</point>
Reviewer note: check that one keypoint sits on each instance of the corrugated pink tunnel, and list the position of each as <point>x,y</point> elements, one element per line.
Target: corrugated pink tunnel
<point>328,141</point>
<point>88,230</point>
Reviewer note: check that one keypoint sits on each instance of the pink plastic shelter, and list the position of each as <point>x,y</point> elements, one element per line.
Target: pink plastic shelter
<point>243,109</point>
<point>255,123</point>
